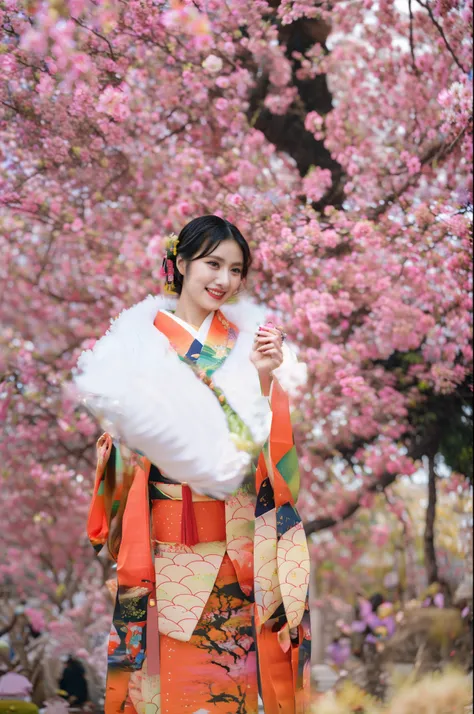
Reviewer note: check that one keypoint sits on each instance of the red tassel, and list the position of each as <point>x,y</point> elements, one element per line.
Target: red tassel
<point>189,531</point>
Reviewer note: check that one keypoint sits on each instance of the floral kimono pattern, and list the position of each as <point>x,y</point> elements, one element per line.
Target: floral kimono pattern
<point>212,598</point>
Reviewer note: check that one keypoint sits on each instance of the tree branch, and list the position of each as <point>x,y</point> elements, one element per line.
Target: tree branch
<point>97,34</point>
<point>412,40</point>
<point>441,32</point>
<point>436,152</point>
<point>321,524</point>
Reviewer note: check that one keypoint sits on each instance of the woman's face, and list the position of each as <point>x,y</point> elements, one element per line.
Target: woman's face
<point>209,282</point>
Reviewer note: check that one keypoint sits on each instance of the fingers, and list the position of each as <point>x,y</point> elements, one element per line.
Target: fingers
<point>269,331</point>
<point>268,338</point>
<point>277,331</point>
<point>270,350</point>
<point>261,341</point>
<point>268,343</point>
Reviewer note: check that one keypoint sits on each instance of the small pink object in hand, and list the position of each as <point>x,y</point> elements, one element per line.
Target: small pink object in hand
<point>271,326</point>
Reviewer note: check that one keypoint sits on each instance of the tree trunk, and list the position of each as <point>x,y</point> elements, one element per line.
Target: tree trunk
<point>431,565</point>
<point>317,622</point>
<point>287,132</point>
<point>410,559</point>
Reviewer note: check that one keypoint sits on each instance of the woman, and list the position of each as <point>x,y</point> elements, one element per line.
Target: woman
<point>207,490</point>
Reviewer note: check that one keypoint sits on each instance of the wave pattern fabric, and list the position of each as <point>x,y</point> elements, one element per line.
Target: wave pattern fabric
<point>203,627</point>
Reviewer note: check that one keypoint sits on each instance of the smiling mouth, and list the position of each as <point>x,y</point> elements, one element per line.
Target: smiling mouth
<point>215,294</point>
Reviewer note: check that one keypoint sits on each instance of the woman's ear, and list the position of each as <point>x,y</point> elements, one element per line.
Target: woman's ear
<point>180,264</point>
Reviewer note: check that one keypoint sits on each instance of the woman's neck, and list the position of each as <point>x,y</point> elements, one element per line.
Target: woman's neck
<point>190,312</point>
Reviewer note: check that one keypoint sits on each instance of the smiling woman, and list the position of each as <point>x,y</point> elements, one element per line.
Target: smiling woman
<point>197,480</point>
<point>212,260</point>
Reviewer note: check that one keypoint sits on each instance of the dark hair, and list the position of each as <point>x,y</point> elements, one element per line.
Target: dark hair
<point>201,236</point>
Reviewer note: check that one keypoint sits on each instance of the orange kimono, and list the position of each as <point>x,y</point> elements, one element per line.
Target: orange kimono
<point>212,602</point>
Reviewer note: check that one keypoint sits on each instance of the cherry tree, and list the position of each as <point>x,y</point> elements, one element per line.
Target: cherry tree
<point>52,597</point>
<point>338,136</point>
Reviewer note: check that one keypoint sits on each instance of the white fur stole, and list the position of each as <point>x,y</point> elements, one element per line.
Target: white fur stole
<point>145,396</point>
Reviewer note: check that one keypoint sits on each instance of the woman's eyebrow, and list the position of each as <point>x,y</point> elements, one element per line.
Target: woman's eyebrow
<point>218,257</point>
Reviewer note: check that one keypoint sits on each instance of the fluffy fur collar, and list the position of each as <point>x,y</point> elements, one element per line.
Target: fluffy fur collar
<point>133,381</point>
<point>247,315</point>
<point>133,332</point>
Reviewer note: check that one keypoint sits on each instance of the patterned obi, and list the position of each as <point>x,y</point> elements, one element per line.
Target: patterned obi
<point>168,515</point>
<point>178,515</point>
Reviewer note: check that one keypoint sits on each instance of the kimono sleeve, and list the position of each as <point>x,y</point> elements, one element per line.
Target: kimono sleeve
<point>288,381</point>
<point>279,452</point>
<point>280,538</point>
<point>106,495</point>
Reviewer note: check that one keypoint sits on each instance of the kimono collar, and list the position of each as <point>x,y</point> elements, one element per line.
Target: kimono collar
<point>207,355</point>
<point>245,314</point>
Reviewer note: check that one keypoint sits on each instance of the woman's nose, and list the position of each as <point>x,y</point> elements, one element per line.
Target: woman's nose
<point>223,279</point>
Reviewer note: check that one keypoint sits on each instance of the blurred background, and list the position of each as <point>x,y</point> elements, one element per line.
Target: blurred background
<point>338,137</point>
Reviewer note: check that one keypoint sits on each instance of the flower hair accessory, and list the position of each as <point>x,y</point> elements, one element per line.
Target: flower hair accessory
<point>167,268</point>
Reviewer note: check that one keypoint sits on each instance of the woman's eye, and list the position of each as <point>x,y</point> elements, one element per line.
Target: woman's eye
<point>237,271</point>
<point>213,263</point>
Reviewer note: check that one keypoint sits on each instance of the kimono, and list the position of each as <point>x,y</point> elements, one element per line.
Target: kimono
<point>212,592</point>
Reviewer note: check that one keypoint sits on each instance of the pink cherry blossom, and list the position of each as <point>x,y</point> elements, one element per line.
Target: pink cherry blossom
<point>114,103</point>
<point>213,64</point>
